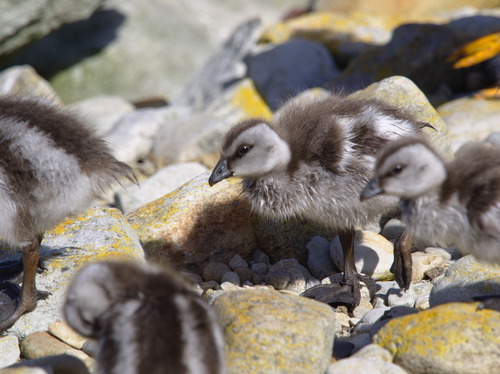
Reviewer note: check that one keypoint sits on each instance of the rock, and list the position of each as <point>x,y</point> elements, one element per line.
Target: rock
<point>214,271</point>
<point>198,222</point>
<point>65,333</point>
<point>190,138</point>
<point>289,275</point>
<point>231,277</point>
<point>287,69</point>
<point>380,296</point>
<point>445,254</point>
<point>470,119</point>
<point>465,279</point>
<point>494,139</point>
<point>422,262</point>
<point>393,229</point>
<point>419,51</point>
<point>345,35</point>
<point>402,93</point>
<point>59,364</point>
<point>422,291</point>
<point>358,341</point>
<point>237,262</point>
<point>260,268</point>
<point>195,223</point>
<point>97,234</point>
<point>394,312</point>
<point>245,274</point>
<point>137,49</point>
<point>369,318</point>
<point>24,80</point>
<point>399,297</point>
<point>103,111</point>
<point>259,256</point>
<point>9,350</point>
<point>41,344</point>
<point>210,285</point>
<point>373,253</point>
<point>370,359</point>
<point>132,137</point>
<point>472,336</point>
<point>319,261</point>
<point>159,184</point>
<point>260,322</point>
<point>399,12</point>
<point>32,20</point>
<point>222,68</point>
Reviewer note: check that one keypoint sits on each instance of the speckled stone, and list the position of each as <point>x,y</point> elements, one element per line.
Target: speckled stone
<point>450,338</point>
<point>464,280</point>
<point>270,332</point>
<point>97,234</point>
<point>9,350</point>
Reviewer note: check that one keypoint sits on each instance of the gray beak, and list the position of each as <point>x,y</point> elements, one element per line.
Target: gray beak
<point>371,189</point>
<point>220,172</point>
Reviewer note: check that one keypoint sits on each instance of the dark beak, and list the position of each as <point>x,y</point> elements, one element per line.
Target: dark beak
<point>371,189</point>
<point>220,172</point>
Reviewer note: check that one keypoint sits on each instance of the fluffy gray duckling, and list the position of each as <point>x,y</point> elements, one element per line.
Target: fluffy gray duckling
<point>51,167</point>
<point>455,203</point>
<point>146,320</point>
<point>311,161</point>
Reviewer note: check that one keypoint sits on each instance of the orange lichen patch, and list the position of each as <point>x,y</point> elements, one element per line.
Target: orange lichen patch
<point>477,51</point>
<point>249,100</point>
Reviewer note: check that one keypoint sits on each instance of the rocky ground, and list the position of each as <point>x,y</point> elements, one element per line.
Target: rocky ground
<point>252,270</point>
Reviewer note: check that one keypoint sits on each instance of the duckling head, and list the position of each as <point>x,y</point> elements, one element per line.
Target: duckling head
<point>252,149</point>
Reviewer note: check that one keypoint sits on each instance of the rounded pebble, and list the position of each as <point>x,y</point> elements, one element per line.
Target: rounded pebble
<point>214,271</point>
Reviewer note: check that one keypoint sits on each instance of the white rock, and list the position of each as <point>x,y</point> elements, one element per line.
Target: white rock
<point>9,350</point>
<point>159,184</point>
<point>131,138</point>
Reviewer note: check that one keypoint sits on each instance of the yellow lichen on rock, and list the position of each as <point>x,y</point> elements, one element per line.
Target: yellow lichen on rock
<point>453,337</point>
<point>249,100</point>
<point>271,332</point>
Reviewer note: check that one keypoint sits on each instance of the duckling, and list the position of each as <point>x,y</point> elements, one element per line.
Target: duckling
<point>146,320</point>
<point>455,203</point>
<point>51,166</point>
<point>312,161</point>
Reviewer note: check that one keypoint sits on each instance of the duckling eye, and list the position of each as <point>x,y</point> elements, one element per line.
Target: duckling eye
<point>243,150</point>
<point>397,169</point>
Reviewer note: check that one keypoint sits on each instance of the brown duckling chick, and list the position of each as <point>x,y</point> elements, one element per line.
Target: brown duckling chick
<point>312,161</point>
<point>51,166</point>
<point>146,320</point>
<point>455,203</point>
